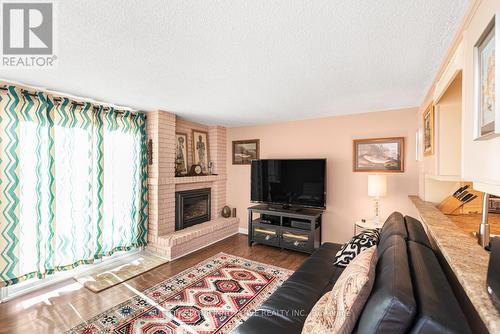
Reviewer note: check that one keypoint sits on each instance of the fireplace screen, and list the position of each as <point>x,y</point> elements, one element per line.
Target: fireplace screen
<point>192,207</point>
<point>195,207</point>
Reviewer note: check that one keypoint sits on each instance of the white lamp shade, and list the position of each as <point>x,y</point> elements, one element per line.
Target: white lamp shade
<point>377,185</point>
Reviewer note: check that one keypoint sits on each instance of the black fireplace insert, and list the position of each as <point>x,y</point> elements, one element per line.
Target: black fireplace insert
<point>192,207</point>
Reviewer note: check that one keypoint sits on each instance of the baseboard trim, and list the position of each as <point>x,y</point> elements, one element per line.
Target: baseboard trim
<point>243,230</point>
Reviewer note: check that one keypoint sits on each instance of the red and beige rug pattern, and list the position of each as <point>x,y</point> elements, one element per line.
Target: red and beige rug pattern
<point>214,296</point>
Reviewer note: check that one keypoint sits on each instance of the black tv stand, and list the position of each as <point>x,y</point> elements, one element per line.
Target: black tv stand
<point>285,207</point>
<point>290,228</point>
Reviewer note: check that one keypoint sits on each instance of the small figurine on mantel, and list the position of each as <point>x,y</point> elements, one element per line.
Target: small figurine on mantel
<point>210,168</point>
<point>179,167</point>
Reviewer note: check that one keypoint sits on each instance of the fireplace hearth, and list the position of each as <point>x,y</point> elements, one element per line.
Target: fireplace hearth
<point>192,207</point>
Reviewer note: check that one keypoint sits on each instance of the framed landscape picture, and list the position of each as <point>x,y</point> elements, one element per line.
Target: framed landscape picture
<point>428,131</point>
<point>486,63</point>
<point>200,150</point>
<point>379,155</point>
<point>245,151</point>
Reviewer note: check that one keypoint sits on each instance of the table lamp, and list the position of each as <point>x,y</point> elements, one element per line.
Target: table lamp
<point>377,187</point>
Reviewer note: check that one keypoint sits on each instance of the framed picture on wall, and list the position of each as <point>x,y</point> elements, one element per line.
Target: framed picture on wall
<point>418,146</point>
<point>486,77</point>
<point>200,150</point>
<point>428,131</point>
<point>181,164</point>
<point>379,155</point>
<point>245,151</point>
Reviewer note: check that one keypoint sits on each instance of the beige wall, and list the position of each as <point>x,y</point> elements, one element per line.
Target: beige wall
<point>331,138</point>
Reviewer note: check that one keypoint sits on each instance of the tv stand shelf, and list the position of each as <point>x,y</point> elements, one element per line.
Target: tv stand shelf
<point>295,229</point>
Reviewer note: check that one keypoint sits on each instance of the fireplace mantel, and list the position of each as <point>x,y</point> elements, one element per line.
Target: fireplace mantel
<point>198,179</point>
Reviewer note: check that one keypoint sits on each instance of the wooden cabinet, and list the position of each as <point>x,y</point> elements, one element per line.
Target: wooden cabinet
<point>296,230</point>
<point>266,233</point>
<point>296,239</point>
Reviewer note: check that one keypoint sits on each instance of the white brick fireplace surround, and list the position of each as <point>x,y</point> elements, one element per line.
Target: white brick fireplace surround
<point>162,237</point>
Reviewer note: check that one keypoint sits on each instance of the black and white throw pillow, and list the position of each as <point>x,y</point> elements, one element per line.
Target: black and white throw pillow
<point>356,245</point>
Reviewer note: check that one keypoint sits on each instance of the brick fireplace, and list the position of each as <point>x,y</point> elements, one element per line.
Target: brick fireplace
<point>163,236</point>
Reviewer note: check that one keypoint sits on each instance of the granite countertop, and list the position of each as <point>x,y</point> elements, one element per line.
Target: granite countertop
<point>465,257</point>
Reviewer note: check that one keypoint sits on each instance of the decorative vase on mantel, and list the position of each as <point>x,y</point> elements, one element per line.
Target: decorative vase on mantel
<point>226,212</point>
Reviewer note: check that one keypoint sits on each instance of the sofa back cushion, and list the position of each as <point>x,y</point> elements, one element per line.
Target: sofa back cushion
<point>438,309</point>
<point>394,225</point>
<point>391,306</point>
<point>416,232</point>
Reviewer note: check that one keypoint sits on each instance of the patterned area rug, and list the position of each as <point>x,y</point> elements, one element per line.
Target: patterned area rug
<point>214,296</point>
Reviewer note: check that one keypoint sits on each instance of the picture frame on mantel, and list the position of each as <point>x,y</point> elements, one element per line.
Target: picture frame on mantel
<point>487,82</point>
<point>201,150</point>
<point>379,155</point>
<point>181,162</point>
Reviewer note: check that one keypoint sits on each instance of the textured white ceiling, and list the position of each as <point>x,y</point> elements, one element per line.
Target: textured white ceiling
<point>237,62</point>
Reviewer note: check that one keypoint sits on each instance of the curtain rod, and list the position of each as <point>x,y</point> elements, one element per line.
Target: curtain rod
<point>59,99</point>
<point>81,104</point>
<point>27,92</point>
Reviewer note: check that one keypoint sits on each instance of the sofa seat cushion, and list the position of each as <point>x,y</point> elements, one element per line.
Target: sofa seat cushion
<point>327,250</point>
<point>438,309</point>
<point>269,322</point>
<point>391,306</point>
<point>416,232</point>
<point>321,263</point>
<point>286,310</point>
<point>288,307</point>
<point>315,277</point>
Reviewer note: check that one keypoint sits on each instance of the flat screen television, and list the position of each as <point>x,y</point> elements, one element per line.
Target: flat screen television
<point>289,182</point>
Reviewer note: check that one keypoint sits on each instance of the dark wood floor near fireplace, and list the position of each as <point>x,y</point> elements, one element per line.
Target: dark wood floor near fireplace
<point>66,304</point>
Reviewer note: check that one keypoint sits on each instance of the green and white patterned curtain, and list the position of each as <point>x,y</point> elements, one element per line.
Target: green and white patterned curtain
<point>73,183</point>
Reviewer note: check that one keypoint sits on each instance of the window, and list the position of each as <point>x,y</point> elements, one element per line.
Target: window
<point>73,183</point>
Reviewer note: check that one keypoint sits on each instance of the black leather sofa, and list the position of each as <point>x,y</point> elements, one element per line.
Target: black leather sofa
<point>410,294</point>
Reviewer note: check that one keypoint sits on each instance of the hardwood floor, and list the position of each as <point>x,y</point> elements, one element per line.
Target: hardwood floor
<point>61,306</point>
